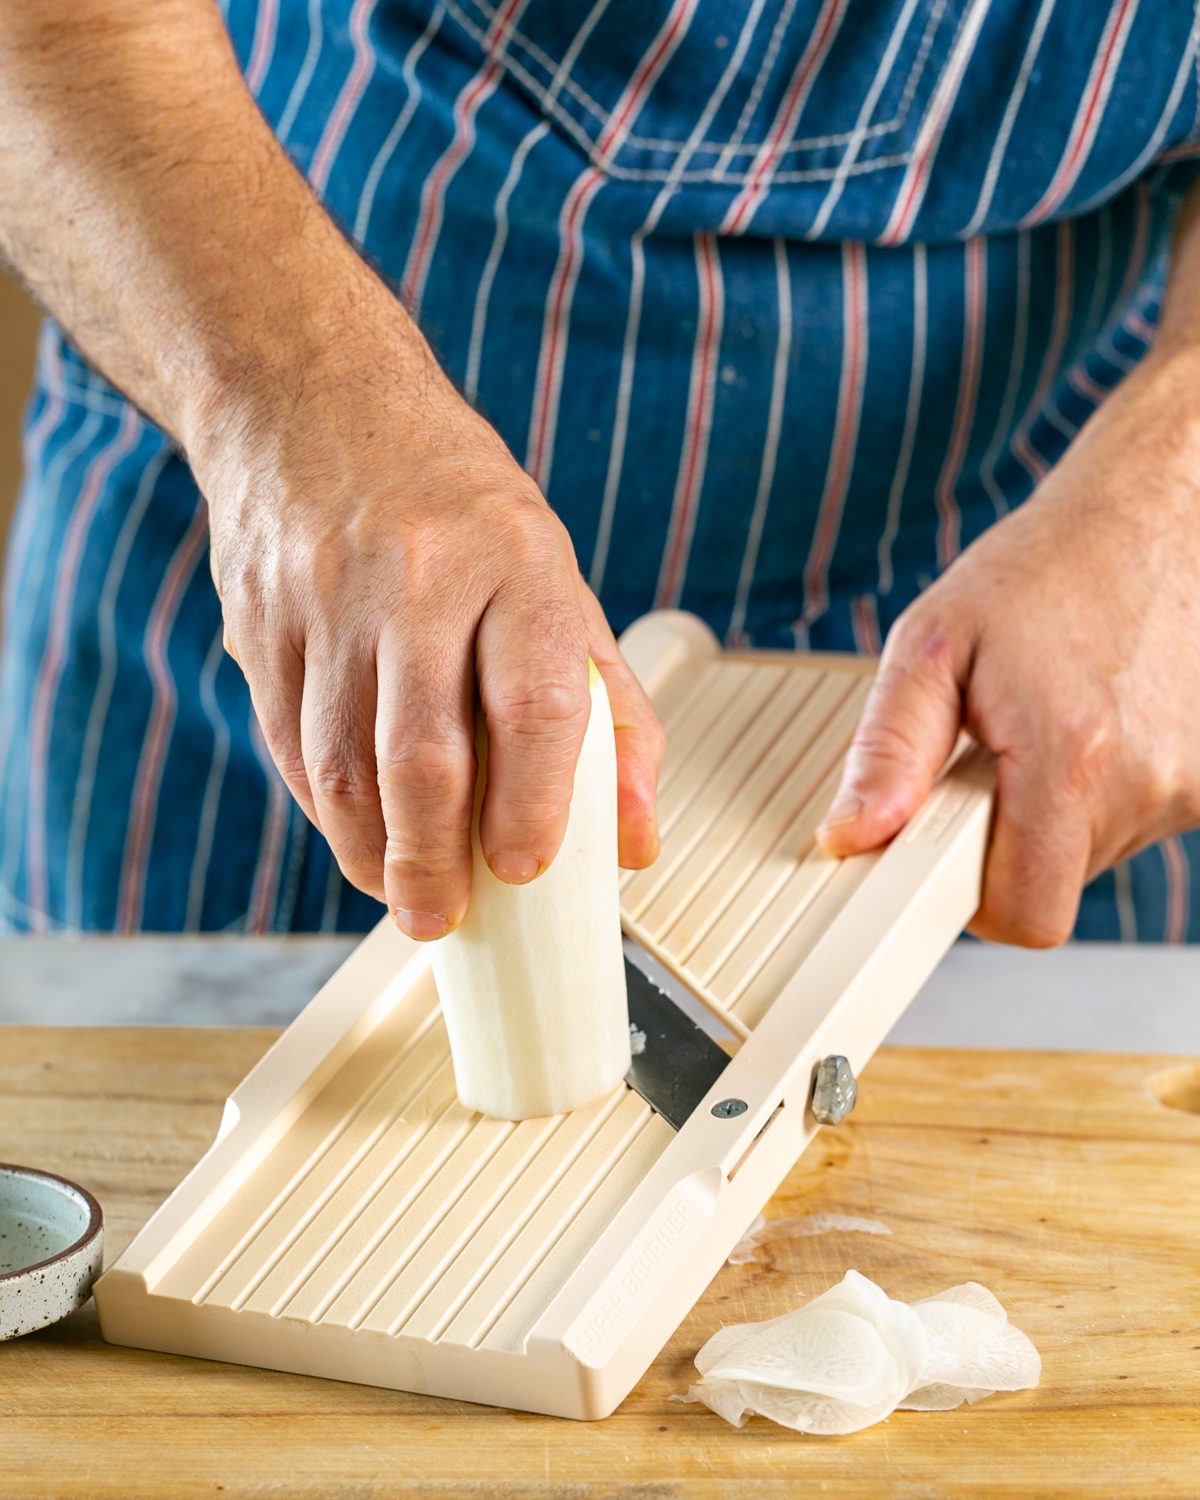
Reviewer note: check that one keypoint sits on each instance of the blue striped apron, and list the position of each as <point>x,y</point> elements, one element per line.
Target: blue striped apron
<point>782,303</point>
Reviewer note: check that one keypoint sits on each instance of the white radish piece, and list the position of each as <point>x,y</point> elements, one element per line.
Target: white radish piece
<point>823,1416</point>
<point>532,982</point>
<point>974,1350</point>
<point>720,1349</point>
<point>970,1294</point>
<point>943,1397</point>
<point>827,1352</point>
<point>854,1355</point>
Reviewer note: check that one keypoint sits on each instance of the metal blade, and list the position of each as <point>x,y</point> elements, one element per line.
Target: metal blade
<point>680,1061</point>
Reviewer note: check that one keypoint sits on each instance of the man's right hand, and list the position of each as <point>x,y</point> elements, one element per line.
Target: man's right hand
<point>382,560</point>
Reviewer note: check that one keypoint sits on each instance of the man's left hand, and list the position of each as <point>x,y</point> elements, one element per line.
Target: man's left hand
<point>1066,640</point>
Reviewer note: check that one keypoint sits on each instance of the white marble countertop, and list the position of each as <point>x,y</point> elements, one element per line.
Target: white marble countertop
<point>1093,997</point>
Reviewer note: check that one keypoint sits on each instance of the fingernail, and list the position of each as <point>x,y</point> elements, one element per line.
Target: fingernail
<point>515,868</point>
<point>847,808</point>
<point>422,925</point>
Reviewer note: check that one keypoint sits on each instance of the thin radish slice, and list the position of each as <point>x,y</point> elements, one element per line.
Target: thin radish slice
<point>971,1349</point>
<point>942,1397</point>
<point>725,1397</point>
<point>854,1355</point>
<point>739,1400</point>
<point>854,1296</point>
<point>821,1415</point>
<point>825,1353</point>
<point>727,1338</point>
<point>852,1342</point>
<point>970,1294</point>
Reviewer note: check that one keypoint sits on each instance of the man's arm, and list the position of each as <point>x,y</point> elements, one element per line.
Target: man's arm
<point>381,558</point>
<point>149,207</point>
<point>1067,640</point>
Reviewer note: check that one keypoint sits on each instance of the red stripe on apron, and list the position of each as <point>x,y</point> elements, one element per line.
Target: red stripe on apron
<point>699,423</point>
<point>1090,114</point>
<point>553,352</point>
<point>466,107</point>
<point>348,100</point>
<point>742,209</point>
<point>950,520</point>
<point>849,413</point>
<point>1032,462</point>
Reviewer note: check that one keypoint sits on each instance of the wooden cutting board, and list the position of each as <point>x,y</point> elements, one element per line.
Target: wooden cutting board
<point>1063,1182</point>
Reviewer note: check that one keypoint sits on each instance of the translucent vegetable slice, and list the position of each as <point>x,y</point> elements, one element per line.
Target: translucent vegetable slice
<point>854,1355</point>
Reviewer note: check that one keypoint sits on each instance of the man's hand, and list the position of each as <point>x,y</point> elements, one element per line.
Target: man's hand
<point>381,557</point>
<point>1067,640</point>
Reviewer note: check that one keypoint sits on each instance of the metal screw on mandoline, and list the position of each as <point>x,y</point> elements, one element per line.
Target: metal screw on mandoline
<point>835,1090</point>
<point>726,1109</point>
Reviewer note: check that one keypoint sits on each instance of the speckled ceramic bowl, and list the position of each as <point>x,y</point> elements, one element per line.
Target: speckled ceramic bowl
<point>51,1243</point>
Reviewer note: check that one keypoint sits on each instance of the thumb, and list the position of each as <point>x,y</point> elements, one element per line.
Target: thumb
<point>908,728</point>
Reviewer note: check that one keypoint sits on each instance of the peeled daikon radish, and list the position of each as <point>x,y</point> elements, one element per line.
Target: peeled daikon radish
<point>532,983</point>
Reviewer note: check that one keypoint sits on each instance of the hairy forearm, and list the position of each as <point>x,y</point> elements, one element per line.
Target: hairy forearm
<point>147,205</point>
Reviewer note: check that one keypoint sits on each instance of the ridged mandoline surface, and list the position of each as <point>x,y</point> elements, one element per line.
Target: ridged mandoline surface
<point>388,1206</point>
<point>740,892</point>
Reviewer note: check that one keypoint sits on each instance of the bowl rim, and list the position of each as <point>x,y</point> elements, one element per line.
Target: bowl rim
<point>94,1225</point>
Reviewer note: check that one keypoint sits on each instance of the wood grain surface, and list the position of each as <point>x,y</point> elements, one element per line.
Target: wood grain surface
<point>1062,1182</point>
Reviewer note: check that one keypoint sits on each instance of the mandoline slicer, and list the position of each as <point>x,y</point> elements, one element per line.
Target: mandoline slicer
<point>353,1220</point>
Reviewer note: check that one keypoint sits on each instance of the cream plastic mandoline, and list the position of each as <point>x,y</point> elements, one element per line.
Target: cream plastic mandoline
<point>353,1220</point>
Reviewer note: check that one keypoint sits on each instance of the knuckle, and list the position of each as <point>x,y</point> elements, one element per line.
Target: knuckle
<point>289,761</point>
<point>919,638</point>
<point>526,542</point>
<point>1086,748</point>
<point>907,630</point>
<point>1091,737</point>
<point>258,634</point>
<point>423,862</point>
<point>244,628</point>
<point>360,860</point>
<point>244,591</point>
<point>233,575</point>
<point>425,767</point>
<point>1175,789</point>
<point>328,586</point>
<point>427,879</point>
<point>922,652</point>
<point>340,781</point>
<point>1023,928</point>
<point>550,706</point>
<point>889,740</point>
<point>1012,913</point>
<point>525,823</point>
<point>421,555</point>
<point>525,511</point>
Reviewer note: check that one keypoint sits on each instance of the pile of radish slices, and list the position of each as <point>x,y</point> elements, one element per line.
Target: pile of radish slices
<point>854,1355</point>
